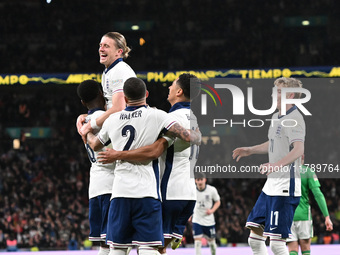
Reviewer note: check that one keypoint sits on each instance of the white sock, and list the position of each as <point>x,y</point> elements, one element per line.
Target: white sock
<point>257,244</point>
<point>212,246</point>
<point>198,247</point>
<point>118,251</point>
<point>103,251</point>
<point>278,246</point>
<point>128,250</point>
<point>147,250</point>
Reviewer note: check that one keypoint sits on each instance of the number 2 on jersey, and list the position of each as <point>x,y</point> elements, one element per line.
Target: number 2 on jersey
<point>131,130</point>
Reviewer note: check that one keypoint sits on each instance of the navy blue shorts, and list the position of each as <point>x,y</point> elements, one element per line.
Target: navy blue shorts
<point>274,214</point>
<point>199,230</point>
<point>175,216</point>
<point>135,221</point>
<point>98,212</point>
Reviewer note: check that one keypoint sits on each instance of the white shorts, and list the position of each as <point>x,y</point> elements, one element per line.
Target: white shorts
<point>301,230</point>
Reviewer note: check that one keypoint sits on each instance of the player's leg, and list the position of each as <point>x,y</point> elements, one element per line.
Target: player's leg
<point>292,241</point>
<point>210,233</point>
<point>255,223</point>
<point>147,222</point>
<point>278,246</point>
<point>293,248</point>
<point>104,249</point>
<point>148,250</point>
<point>197,230</point>
<point>279,218</point>
<point>167,241</point>
<point>98,213</point>
<point>306,234</point>
<point>305,246</point>
<point>257,241</point>
<point>119,228</point>
<point>170,212</point>
<point>212,245</point>
<point>118,251</point>
<point>198,245</point>
<point>186,210</point>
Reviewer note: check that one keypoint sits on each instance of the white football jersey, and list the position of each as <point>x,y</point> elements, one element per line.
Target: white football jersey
<point>130,129</point>
<point>113,79</point>
<point>179,159</point>
<point>205,200</point>
<point>283,132</point>
<point>101,175</point>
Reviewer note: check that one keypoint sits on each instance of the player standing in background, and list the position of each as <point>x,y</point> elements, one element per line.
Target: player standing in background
<point>101,175</point>
<point>273,212</point>
<point>302,228</point>
<point>177,186</point>
<point>203,220</point>
<point>135,216</point>
<point>112,50</point>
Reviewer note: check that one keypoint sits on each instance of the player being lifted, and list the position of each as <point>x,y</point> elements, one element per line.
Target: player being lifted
<point>272,215</point>
<point>113,50</point>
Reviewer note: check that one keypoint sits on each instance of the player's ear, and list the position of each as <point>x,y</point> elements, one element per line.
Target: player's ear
<point>179,92</point>
<point>291,95</point>
<point>146,94</point>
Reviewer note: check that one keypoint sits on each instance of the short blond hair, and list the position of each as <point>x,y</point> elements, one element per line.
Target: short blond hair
<point>289,83</point>
<point>120,42</point>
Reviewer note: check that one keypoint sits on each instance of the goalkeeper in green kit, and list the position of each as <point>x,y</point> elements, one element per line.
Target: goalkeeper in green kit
<point>302,227</point>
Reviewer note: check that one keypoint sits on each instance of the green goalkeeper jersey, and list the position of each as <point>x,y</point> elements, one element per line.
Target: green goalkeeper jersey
<point>309,181</point>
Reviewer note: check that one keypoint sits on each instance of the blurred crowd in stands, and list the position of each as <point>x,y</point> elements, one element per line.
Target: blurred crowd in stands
<point>63,36</point>
<point>43,184</point>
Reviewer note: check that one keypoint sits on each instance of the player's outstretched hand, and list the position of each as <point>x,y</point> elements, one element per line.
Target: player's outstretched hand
<point>80,122</point>
<point>328,223</point>
<point>107,156</point>
<point>241,152</point>
<point>269,168</point>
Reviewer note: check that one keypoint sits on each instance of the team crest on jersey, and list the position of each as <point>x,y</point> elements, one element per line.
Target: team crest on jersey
<point>278,130</point>
<point>107,84</point>
<point>207,197</point>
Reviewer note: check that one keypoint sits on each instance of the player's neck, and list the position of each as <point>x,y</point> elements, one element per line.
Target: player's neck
<point>179,100</point>
<point>136,102</point>
<point>288,106</point>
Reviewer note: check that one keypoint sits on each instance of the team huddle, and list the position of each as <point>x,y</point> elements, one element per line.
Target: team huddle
<point>141,191</point>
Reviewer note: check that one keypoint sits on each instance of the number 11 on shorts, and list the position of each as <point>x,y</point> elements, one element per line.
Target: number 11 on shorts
<point>274,215</point>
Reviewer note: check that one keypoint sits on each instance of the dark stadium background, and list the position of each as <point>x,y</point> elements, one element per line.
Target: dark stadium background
<point>43,184</point>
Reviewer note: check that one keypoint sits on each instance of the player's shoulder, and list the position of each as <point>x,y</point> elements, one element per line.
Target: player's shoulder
<point>156,110</point>
<point>275,115</point>
<point>210,187</point>
<point>94,114</point>
<point>122,66</point>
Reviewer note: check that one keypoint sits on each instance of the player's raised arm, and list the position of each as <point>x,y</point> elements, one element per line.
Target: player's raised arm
<point>142,154</point>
